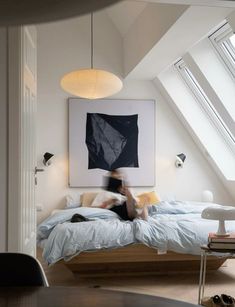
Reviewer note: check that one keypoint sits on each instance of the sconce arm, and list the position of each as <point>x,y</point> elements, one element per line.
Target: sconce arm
<point>37,170</point>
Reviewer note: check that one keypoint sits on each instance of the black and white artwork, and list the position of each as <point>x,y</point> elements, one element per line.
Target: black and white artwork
<point>112,141</point>
<point>110,134</point>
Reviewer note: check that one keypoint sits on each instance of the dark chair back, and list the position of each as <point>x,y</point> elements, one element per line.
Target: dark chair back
<point>18,269</point>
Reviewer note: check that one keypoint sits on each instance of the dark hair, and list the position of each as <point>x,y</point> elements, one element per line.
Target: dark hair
<point>78,218</point>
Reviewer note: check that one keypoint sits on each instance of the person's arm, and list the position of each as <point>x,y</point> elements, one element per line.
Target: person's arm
<point>108,203</point>
<point>131,205</point>
<point>130,202</point>
<point>144,214</point>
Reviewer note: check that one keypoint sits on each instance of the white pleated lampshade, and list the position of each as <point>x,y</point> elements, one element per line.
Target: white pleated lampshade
<point>91,83</point>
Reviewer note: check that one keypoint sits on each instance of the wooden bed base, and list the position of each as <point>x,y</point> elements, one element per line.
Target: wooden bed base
<point>136,259</point>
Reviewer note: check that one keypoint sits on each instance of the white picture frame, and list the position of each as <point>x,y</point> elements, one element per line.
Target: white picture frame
<point>79,174</point>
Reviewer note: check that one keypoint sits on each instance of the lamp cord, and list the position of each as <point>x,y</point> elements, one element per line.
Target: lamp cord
<point>92,52</point>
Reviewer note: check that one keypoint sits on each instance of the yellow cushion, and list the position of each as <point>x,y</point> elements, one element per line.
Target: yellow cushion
<point>147,198</point>
<point>87,198</point>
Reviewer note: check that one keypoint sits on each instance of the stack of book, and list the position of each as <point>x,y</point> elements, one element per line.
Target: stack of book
<point>218,242</point>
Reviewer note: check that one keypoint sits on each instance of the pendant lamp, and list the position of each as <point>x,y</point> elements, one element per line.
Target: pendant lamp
<point>91,83</point>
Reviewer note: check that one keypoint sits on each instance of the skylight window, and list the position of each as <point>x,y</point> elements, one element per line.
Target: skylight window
<point>183,87</point>
<point>232,40</point>
<point>224,42</point>
<point>205,103</point>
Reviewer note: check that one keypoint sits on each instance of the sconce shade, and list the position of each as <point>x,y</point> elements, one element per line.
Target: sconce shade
<point>180,158</point>
<point>47,158</point>
<point>18,12</point>
<point>91,83</point>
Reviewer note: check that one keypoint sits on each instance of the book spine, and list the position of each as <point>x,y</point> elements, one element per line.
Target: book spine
<point>222,246</point>
<point>212,237</point>
<point>221,240</point>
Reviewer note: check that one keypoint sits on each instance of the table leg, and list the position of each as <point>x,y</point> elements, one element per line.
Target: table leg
<point>204,274</point>
<point>200,277</point>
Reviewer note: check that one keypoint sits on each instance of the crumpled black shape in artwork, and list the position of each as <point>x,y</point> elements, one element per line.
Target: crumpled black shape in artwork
<point>112,141</point>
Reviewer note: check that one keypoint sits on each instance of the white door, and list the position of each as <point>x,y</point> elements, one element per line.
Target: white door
<point>22,139</point>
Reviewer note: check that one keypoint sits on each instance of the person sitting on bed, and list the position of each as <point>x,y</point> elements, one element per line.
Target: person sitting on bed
<point>126,210</point>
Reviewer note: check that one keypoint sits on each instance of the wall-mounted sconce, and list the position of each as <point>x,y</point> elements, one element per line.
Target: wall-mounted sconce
<point>47,158</point>
<point>46,161</point>
<point>180,158</point>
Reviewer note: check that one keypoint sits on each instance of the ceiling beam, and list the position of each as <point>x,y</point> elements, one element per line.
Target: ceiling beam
<point>215,3</point>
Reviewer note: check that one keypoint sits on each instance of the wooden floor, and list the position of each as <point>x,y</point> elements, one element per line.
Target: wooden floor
<point>182,287</point>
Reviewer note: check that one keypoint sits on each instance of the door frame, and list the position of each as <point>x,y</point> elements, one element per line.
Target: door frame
<point>14,156</point>
<point>16,56</point>
<point>3,138</point>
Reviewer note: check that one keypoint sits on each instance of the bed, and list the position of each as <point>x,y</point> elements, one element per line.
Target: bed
<point>168,241</point>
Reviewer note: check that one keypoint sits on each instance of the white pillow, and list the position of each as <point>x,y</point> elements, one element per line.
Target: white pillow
<point>73,201</point>
<point>106,195</point>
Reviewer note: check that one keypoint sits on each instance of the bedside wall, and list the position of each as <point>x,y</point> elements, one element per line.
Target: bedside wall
<point>59,50</point>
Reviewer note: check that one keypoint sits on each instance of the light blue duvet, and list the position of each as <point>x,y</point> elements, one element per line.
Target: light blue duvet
<point>65,239</point>
<point>175,226</point>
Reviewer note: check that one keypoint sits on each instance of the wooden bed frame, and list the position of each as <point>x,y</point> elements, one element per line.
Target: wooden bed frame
<point>136,259</point>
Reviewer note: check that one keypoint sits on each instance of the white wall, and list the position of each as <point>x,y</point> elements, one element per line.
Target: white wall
<point>55,42</point>
<point>3,138</point>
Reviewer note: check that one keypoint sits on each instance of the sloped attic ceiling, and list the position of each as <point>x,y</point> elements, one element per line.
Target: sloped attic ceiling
<point>141,26</point>
<point>156,32</point>
<point>124,14</point>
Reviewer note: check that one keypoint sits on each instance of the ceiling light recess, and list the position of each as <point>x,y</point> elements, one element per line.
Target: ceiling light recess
<point>91,83</point>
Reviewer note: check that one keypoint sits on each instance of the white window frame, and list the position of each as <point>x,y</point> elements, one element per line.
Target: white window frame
<point>205,103</point>
<point>225,49</point>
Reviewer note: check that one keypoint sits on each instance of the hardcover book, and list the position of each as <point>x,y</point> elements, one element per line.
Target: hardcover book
<point>212,237</point>
<point>229,246</point>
